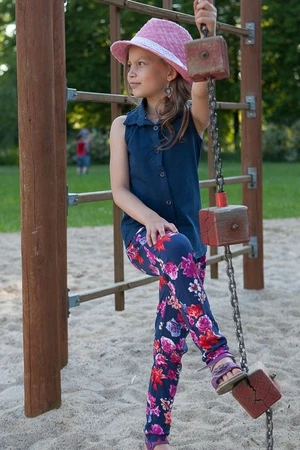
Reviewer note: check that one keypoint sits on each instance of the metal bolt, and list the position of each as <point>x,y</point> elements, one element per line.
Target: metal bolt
<point>204,54</point>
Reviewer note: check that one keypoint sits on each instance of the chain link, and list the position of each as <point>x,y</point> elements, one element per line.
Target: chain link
<point>269,423</point>
<point>236,310</point>
<point>214,132</point>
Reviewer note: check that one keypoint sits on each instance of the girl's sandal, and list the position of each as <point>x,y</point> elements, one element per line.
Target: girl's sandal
<point>223,369</point>
<point>151,445</point>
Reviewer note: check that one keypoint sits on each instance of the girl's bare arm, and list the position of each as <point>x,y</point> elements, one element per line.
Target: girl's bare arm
<point>119,178</point>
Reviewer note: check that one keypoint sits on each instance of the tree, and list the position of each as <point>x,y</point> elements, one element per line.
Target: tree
<point>281,61</point>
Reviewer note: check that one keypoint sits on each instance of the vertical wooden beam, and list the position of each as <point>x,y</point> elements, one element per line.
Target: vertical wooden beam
<point>252,139</point>
<point>115,112</point>
<point>61,171</point>
<point>38,205</point>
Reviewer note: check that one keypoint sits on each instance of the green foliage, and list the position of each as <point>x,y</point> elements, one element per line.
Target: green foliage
<point>293,141</point>
<point>281,143</point>
<point>281,61</point>
<point>9,157</point>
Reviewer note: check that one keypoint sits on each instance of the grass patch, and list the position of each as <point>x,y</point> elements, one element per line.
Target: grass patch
<point>281,193</point>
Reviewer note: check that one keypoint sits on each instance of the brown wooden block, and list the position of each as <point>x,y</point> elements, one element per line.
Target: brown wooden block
<point>207,57</point>
<point>224,225</point>
<point>258,392</point>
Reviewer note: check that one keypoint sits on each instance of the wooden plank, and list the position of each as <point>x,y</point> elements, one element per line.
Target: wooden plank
<point>61,172</point>
<point>252,140</point>
<point>115,35</point>
<point>34,21</point>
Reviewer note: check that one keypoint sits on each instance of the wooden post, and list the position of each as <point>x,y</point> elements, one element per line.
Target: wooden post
<point>252,138</point>
<point>115,112</point>
<point>38,205</point>
<point>61,172</point>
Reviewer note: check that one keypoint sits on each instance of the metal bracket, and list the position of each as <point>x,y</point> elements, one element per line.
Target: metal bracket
<point>254,244</point>
<point>252,171</point>
<point>72,199</point>
<point>74,300</point>
<point>71,94</point>
<point>250,99</point>
<point>250,40</point>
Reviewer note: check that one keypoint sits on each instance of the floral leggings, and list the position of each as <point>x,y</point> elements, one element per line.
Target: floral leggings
<point>183,308</point>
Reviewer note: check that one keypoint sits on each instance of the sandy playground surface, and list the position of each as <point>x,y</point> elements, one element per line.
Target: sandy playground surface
<point>105,383</point>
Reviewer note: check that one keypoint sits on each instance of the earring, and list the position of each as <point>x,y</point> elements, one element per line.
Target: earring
<point>168,90</point>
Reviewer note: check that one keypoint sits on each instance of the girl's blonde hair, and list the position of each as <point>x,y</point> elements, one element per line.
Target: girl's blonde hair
<point>168,108</point>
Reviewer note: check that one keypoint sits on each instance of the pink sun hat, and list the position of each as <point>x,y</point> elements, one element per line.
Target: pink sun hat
<point>163,38</point>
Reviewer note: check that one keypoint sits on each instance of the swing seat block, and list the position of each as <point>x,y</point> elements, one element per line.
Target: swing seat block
<point>207,57</point>
<point>224,225</point>
<point>258,392</point>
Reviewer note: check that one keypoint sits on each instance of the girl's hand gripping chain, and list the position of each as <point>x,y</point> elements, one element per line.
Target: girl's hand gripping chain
<point>205,14</point>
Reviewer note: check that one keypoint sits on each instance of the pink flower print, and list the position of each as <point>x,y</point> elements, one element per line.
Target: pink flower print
<point>173,390</point>
<point>195,287</point>
<point>180,344</point>
<point>190,268</point>
<point>172,375</point>
<point>150,256</point>
<point>202,274</point>
<point>191,321</point>
<point>175,358</point>
<point>160,360</point>
<point>151,401</point>
<point>156,429</point>
<point>154,269</point>
<point>172,289</point>
<point>162,308</point>
<point>215,354</point>
<point>194,336</point>
<point>171,270</point>
<point>174,328</point>
<point>167,345</point>
<point>204,324</point>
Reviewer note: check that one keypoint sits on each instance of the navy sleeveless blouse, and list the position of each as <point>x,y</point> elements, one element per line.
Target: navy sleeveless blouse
<point>164,180</point>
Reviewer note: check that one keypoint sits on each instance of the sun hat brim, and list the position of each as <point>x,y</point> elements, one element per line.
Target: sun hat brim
<point>119,50</point>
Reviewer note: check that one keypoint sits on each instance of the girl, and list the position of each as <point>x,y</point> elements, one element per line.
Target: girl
<point>155,151</point>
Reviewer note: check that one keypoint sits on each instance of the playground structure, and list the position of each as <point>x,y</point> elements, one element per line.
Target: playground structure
<point>42,97</point>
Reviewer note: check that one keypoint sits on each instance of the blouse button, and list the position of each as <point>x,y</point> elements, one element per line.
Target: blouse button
<point>162,174</point>
<point>168,202</point>
<point>155,128</point>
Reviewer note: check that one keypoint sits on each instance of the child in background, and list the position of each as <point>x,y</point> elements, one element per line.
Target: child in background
<point>81,155</point>
<point>155,152</point>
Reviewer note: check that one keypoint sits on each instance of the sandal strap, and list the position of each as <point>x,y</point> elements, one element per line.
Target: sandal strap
<point>213,361</point>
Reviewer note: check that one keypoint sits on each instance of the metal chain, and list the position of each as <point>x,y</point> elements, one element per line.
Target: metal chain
<point>269,423</point>
<point>236,310</point>
<point>214,132</point>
